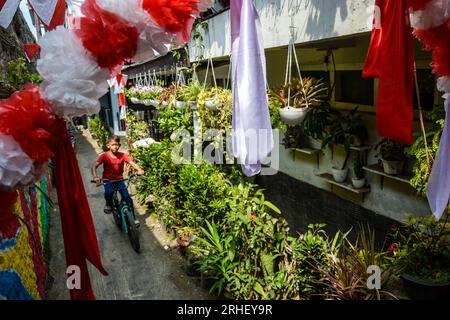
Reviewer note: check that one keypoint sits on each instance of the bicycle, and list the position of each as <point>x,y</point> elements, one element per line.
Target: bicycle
<point>124,216</point>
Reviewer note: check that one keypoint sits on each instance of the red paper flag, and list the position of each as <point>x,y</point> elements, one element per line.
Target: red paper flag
<point>391,58</point>
<point>31,50</point>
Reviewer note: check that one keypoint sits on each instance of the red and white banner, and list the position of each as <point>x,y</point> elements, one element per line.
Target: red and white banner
<point>8,9</point>
<point>50,12</point>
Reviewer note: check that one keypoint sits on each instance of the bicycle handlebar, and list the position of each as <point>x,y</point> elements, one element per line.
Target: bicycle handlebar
<point>112,181</point>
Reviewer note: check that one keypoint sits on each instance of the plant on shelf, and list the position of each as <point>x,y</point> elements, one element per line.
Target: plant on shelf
<point>420,254</point>
<point>343,130</point>
<point>392,154</point>
<point>317,121</point>
<point>424,160</point>
<point>294,98</point>
<point>358,180</point>
<point>294,137</point>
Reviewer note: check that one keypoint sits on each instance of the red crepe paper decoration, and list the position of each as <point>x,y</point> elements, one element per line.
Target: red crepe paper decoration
<point>8,222</point>
<point>106,36</point>
<point>441,60</point>
<point>30,121</point>
<point>173,15</point>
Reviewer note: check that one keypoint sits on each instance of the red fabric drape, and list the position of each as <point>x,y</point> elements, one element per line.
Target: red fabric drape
<point>391,58</point>
<point>31,50</point>
<point>80,240</point>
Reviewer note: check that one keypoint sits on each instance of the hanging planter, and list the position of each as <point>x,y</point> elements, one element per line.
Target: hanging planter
<point>211,104</point>
<point>293,116</point>
<point>180,105</point>
<point>154,103</point>
<point>135,100</point>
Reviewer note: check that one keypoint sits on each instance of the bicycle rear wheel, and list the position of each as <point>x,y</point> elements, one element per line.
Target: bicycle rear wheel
<point>133,233</point>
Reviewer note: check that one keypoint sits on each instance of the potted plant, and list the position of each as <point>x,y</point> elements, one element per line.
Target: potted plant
<point>180,96</point>
<point>420,254</point>
<point>392,155</point>
<point>358,180</point>
<point>192,91</point>
<point>294,138</point>
<point>212,99</point>
<point>293,107</point>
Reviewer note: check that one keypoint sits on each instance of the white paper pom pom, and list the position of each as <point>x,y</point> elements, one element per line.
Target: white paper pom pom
<point>433,15</point>
<point>15,165</point>
<point>443,84</point>
<point>73,82</point>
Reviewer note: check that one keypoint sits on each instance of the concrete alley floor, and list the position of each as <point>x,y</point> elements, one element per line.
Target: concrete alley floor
<point>157,272</point>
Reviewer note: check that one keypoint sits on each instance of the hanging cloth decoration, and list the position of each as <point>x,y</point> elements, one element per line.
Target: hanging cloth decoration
<point>391,59</point>
<point>250,105</point>
<point>8,9</point>
<point>50,12</point>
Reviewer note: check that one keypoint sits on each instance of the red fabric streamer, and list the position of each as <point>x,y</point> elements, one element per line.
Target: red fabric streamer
<point>175,16</point>
<point>59,15</point>
<point>370,69</point>
<point>8,222</point>
<point>394,64</point>
<point>30,121</point>
<point>106,36</point>
<point>80,240</point>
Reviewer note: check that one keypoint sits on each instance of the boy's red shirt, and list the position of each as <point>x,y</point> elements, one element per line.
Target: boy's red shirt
<point>113,167</point>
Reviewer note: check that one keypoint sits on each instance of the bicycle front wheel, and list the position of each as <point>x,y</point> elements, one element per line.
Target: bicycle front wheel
<point>133,232</point>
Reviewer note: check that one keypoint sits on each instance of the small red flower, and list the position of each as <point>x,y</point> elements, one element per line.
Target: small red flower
<point>393,247</point>
<point>252,217</point>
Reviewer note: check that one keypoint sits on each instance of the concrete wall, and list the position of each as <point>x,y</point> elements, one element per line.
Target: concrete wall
<point>313,20</point>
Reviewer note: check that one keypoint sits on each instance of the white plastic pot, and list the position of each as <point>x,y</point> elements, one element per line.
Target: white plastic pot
<point>339,175</point>
<point>211,104</point>
<point>146,102</point>
<point>180,104</point>
<point>358,183</point>
<point>164,103</point>
<point>154,103</point>
<point>393,167</point>
<point>293,116</point>
<point>135,100</point>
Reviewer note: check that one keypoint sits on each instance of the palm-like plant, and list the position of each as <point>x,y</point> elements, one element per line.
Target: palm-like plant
<point>312,92</point>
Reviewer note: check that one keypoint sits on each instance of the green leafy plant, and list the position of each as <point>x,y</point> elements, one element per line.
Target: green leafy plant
<point>314,91</point>
<point>343,131</point>
<point>16,77</point>
<point>358,165</point>
<point>317,120</point>
<point>425,156</point>
<point>294,137</point>
<point>390,150</point>
<point>421,248</point>
<point>99,131</point>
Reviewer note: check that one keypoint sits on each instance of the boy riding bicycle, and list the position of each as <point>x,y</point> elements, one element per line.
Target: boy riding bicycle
<point>113,164</point>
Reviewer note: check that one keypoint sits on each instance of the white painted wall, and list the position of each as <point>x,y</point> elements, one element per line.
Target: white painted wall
<point>313,20</point>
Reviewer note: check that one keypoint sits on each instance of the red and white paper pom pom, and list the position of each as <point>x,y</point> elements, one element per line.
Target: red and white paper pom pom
<point>73,81</point>
<point>430,15</point>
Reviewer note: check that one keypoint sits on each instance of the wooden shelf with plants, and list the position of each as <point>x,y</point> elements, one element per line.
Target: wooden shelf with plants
<point>345,185</point>
<point>378,170</point>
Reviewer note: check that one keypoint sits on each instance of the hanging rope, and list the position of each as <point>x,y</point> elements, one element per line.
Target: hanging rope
<point>422,125</point>
<point>229,74</point>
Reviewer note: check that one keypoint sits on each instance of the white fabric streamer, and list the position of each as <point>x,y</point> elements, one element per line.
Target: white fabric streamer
<point>15,165</point>
<point>443,84</point>
<point>73,82</point>
<point>434,14</point>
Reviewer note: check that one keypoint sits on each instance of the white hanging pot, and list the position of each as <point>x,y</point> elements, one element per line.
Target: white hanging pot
<point>180,104</point>
<point>293,116</point>
<point>358,183</point>
<point>134,100</point>
<point>154,103</point>
<point>211,104</point>
<point>164,103</point>
<point>339,175</point>
<point>146,102</point>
